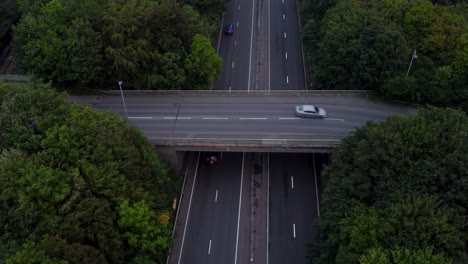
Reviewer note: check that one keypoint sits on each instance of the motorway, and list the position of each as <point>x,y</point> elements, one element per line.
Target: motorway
<point>250,208</point>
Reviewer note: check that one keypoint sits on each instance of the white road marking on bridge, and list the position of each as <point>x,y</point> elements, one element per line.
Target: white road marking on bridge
<point>238,8</point>
<point>237,24</point>
<point>292,182</point>
<point>284,34</point>
<point>232,65</point>
<point>253,118</point>
<point>287,79</point>
<point>240,203</point>
<point>140,117</point>
<point>209,248</point>
<point>284,17</point>
<point>170,117</point>
<point>282,1</point>
<point>286,55</point>
<point>294,230</point>
<point>216,195</point>
<point>334,119</point>
<point>188,211</point>
<point>184,118</point>
<point>316,188</point>
<point>215,118</point>
<point>288,118</point>
<point>235,43</point>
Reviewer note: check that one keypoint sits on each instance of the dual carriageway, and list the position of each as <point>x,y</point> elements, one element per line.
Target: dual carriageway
<point>260,202</point>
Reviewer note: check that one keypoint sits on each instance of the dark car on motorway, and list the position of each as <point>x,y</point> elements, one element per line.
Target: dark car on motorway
<point>229,29</point>
<point>211,158</point>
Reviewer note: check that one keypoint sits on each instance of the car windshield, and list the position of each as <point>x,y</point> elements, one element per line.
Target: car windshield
<point>316,109</point>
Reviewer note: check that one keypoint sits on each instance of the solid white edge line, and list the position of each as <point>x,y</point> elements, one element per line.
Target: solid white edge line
<point>269,51</point>
<point>247,139</point>
<point>188,212</point>
<point>240,205</point>
<point>316,187</point>
<point>292,182</point>
<point>220,33</point>
<point>219,42</point>
<point>334,119</point>
<point>253,118</point>
<point>178,209</point>
<point>216,195</point>
<point>209,248</point>
<point>251,39</point>
<point>294,230</point>
<point>268,206</point>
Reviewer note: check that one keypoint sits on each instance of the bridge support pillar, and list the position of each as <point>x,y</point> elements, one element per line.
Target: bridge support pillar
<point>173,157</point>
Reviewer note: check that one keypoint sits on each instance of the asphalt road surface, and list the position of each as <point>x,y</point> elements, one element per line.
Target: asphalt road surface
<point>251,208</point>
<point>212,224</point>
<point>293,206</point>
<point>218,119</point>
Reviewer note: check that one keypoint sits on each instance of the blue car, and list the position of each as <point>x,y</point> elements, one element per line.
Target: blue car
<point>229,29</point>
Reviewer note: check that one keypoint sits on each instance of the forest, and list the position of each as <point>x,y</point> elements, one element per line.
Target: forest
<point>95,43</point>
<point>395,192</point>
<point>369,44</point>
<point>78,185</point>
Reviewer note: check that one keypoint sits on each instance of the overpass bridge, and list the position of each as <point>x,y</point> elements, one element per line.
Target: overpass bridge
<point>259,121</point>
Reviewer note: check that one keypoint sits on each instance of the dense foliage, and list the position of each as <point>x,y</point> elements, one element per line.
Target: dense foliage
<point>361,44</point>
<point>396,192</point>
<point>78,185</point>
<point>8,16</point>
<point>94,43</point>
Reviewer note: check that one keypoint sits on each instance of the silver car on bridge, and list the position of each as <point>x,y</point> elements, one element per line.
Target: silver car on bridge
<point>310,111</point>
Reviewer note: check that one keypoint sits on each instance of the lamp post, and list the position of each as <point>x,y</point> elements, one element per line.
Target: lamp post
<point>411,62</point>
<point>123,100</point>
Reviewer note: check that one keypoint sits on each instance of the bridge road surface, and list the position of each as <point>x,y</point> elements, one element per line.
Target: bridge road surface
<point>201,119</point>
<point>287,66</point>
<point>235,49</point>
<point>293,206</point>
<point>211,232</point>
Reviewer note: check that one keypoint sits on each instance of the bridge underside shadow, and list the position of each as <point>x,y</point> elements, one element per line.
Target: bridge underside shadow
<point>175,154</point>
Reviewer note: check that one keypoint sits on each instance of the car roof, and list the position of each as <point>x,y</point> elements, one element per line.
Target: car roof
<point>308,107</point>
<point>229,26</point>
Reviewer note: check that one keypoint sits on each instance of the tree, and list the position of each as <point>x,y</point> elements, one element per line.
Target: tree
<point>32,255</point>
<point>402,256</point>
<point>141,229</point>
<point>65,170</point>
<point>403,185</point>
<point>202,64</point>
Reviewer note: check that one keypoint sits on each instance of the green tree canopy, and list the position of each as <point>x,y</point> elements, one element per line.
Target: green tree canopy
<point>66,170</point>
<point>202,63</point>
<point>398,183</point>
<point>94,43</point>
